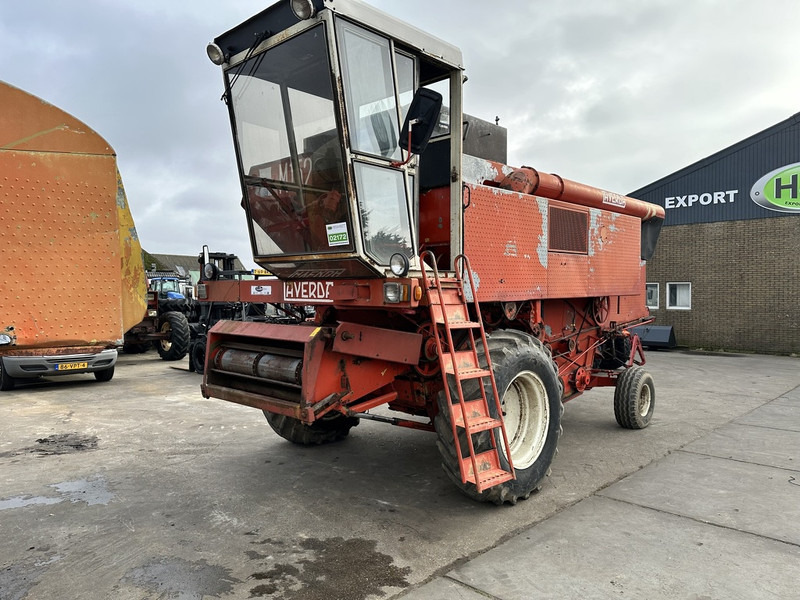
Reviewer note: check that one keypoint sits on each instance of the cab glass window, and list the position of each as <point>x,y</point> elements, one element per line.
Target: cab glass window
<point>369,91</point>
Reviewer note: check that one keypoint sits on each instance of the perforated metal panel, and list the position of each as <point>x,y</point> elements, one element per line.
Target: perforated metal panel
<point>59,248</point>
<point>507,239</point>
<point>72,268</point>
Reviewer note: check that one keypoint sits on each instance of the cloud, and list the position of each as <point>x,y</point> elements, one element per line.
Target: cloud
<point>615,94</point>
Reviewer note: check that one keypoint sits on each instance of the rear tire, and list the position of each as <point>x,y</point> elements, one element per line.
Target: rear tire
<point>332,428</point>
<point>634,398</point>
<point>105,374</point>
<point>176,344</point>
<point>529,391</point>
<point>7,382</point>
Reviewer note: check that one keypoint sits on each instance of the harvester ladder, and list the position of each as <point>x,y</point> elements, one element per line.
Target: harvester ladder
<point>450,312</point>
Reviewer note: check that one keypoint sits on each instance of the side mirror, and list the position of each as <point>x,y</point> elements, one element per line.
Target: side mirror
<point>423,114</point>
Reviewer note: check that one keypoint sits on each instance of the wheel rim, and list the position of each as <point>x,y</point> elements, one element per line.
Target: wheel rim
<point>527,418</point>
<point>643,403</point>
<point>166,344</point>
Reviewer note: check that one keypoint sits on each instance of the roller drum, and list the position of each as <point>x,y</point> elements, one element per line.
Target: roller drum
<point>286,369</point>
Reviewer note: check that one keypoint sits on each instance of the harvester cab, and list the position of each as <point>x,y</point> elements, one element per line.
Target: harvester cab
<point>473,296</point>
<point>320,111</point>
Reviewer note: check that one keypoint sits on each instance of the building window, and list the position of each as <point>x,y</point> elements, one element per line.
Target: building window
<point>679,296</point>
<point>651,295</point>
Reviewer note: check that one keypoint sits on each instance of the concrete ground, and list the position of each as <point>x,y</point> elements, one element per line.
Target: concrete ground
<point>140,488</point>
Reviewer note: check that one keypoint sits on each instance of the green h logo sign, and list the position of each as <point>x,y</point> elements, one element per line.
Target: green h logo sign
<point>779,190</point>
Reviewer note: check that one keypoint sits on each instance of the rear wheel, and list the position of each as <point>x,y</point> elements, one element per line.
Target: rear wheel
<point>175,345</point>
<point>6,381</point>
<point>530,396</point>
<point>105,374</point>
<point>331,428</point>
<point>634,398</point>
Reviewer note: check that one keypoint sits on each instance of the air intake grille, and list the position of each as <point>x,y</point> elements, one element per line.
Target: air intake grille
<point>568,231</point>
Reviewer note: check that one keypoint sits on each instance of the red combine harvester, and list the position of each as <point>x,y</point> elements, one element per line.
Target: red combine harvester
<point>474,297</point>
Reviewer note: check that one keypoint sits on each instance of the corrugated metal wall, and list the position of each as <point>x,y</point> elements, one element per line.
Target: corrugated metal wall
<point>718,188</point>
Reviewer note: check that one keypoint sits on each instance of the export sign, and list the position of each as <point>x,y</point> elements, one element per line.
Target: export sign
<point>778,190</point>
<point>703,199</point>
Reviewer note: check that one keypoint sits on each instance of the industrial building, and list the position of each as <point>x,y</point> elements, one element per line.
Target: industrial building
<point>726,272</point>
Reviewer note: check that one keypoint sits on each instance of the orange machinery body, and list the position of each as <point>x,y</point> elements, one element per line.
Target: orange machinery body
<point>564,267</point>
<point>74,277</point>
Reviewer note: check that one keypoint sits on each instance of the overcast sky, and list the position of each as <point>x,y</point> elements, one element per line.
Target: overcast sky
<point>613,93</point>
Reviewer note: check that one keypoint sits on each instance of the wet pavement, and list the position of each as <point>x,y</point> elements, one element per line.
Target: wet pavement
<point>140,488</point>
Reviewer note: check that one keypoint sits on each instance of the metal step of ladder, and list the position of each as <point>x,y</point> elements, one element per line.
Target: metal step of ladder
<point>449,313</point>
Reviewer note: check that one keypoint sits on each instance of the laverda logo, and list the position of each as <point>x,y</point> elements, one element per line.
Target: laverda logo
<point>779,190</point>
<point>312,291</point>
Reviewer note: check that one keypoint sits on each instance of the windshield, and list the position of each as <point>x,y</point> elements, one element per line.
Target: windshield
<point>289,149</point>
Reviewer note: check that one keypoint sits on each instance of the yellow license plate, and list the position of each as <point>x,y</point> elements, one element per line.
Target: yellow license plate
<point>71,366</point>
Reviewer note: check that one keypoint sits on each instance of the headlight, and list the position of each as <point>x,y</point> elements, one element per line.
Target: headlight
<point>210,271</point>
<point>395,292</point>
<point>303,9</point>
<point>398,264</point>
<point>215,53</point>
<point>4,339</point>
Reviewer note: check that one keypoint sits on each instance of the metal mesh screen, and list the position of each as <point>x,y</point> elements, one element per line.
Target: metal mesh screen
<point>568,230</point>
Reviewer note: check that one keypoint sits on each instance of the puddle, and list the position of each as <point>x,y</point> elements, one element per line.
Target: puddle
<point>314,569</point>
<point>22,501</point>
<point>91,491</point>
<point>179,579</point>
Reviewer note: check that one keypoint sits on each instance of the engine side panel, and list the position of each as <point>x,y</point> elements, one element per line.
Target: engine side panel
<point>526,247</point>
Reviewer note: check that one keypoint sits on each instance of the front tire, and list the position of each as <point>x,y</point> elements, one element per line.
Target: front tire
<point>176,344</point>
<point>331,428</point>
<point>7,382</point>
<point>105,374</point>
<point>197,356</point>
<point>634,398</point>
<point>527,383</point>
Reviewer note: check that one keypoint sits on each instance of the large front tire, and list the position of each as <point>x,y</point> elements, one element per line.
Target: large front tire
<point>530,395</point>
<point>175,326</point>
<point>331,428</point>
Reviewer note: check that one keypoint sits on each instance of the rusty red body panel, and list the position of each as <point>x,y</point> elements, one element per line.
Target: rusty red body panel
<point>330,378</point>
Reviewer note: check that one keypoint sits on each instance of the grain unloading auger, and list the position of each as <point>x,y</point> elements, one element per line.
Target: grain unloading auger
<point>472,297</point>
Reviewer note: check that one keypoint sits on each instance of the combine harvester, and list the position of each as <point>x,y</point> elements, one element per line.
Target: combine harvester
<point>471,296</point>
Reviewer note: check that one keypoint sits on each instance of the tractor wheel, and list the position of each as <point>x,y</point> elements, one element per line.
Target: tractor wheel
<point>176,344</point>
<point>331,428</point>
<point>634,398</point>
<point>6,381</point>
<point>197,355</point>
<point>105,374</point>
<point>527,383</point>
